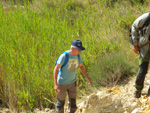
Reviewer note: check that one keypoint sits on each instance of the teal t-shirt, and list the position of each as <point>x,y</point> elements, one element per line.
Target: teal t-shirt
<point>68,73</point>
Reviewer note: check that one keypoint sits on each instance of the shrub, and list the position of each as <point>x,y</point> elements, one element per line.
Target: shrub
<point>111,68</point>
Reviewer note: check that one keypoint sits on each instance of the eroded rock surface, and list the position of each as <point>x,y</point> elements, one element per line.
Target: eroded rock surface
<point>119,99</point>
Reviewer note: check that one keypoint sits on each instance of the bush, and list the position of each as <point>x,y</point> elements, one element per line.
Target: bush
<point>111,68</point>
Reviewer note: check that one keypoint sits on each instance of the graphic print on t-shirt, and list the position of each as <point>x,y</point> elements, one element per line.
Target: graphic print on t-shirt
<point>73,64</point>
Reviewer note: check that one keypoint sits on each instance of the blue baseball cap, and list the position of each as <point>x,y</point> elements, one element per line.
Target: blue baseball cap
<point>78,45</point>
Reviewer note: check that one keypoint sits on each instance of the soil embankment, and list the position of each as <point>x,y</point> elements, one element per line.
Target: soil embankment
<point>119,99</point>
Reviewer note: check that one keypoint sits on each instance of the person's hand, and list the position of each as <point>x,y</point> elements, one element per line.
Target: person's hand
<point>136,49</point>
<point>57,88</point>
<point>90,81</point>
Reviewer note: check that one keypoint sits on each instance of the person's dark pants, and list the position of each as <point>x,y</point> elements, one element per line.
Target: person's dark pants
<point>139,83</point>
<point>143,68</point>
<point>71,90</point>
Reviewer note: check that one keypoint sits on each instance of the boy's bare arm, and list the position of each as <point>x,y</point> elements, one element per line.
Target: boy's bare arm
<point>83,70</point>
<point>56,69</point>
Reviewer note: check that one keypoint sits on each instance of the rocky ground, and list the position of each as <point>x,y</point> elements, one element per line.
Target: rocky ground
<point>118,99</point>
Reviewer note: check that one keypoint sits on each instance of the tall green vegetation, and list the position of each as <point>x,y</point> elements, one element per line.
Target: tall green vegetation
<point>34,34</point>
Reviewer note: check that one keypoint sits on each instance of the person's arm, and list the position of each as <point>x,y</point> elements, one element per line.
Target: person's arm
<point>136,49</point>
<point>137,24</point>
<point>83,70</point>
<point>56,69</point>
<point>135,35</point>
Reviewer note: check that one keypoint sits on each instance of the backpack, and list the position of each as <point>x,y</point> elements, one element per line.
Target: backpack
<point>141,29</point>
<point>147,22</point>
<point>66,59</point>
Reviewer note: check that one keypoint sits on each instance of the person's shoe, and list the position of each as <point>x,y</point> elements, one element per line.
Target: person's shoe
<point>137,94</point>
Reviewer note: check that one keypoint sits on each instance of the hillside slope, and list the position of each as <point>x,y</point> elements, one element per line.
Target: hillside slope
<point>31,41</point>
<point>119,99</point>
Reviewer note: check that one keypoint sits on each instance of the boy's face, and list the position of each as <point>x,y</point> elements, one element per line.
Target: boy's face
<point>76,51</point>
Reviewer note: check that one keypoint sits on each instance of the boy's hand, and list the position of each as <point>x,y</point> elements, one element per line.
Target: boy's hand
<point>57,88</point>
<point>90,81</point>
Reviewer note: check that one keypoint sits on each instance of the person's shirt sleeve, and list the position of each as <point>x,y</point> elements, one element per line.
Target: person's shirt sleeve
<point>137,24</point>
<point>61,59</point>
<point>80,60</point>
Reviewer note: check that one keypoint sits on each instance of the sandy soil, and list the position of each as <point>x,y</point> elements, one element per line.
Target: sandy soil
<point>119,99</point>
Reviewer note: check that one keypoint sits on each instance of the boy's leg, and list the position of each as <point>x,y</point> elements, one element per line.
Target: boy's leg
<point>72,93</point>
<point>61,98</point>
<point>60,106</point>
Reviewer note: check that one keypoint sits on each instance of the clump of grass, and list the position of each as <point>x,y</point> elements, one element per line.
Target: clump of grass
<point>111,68</point>
<point>137,1</point>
